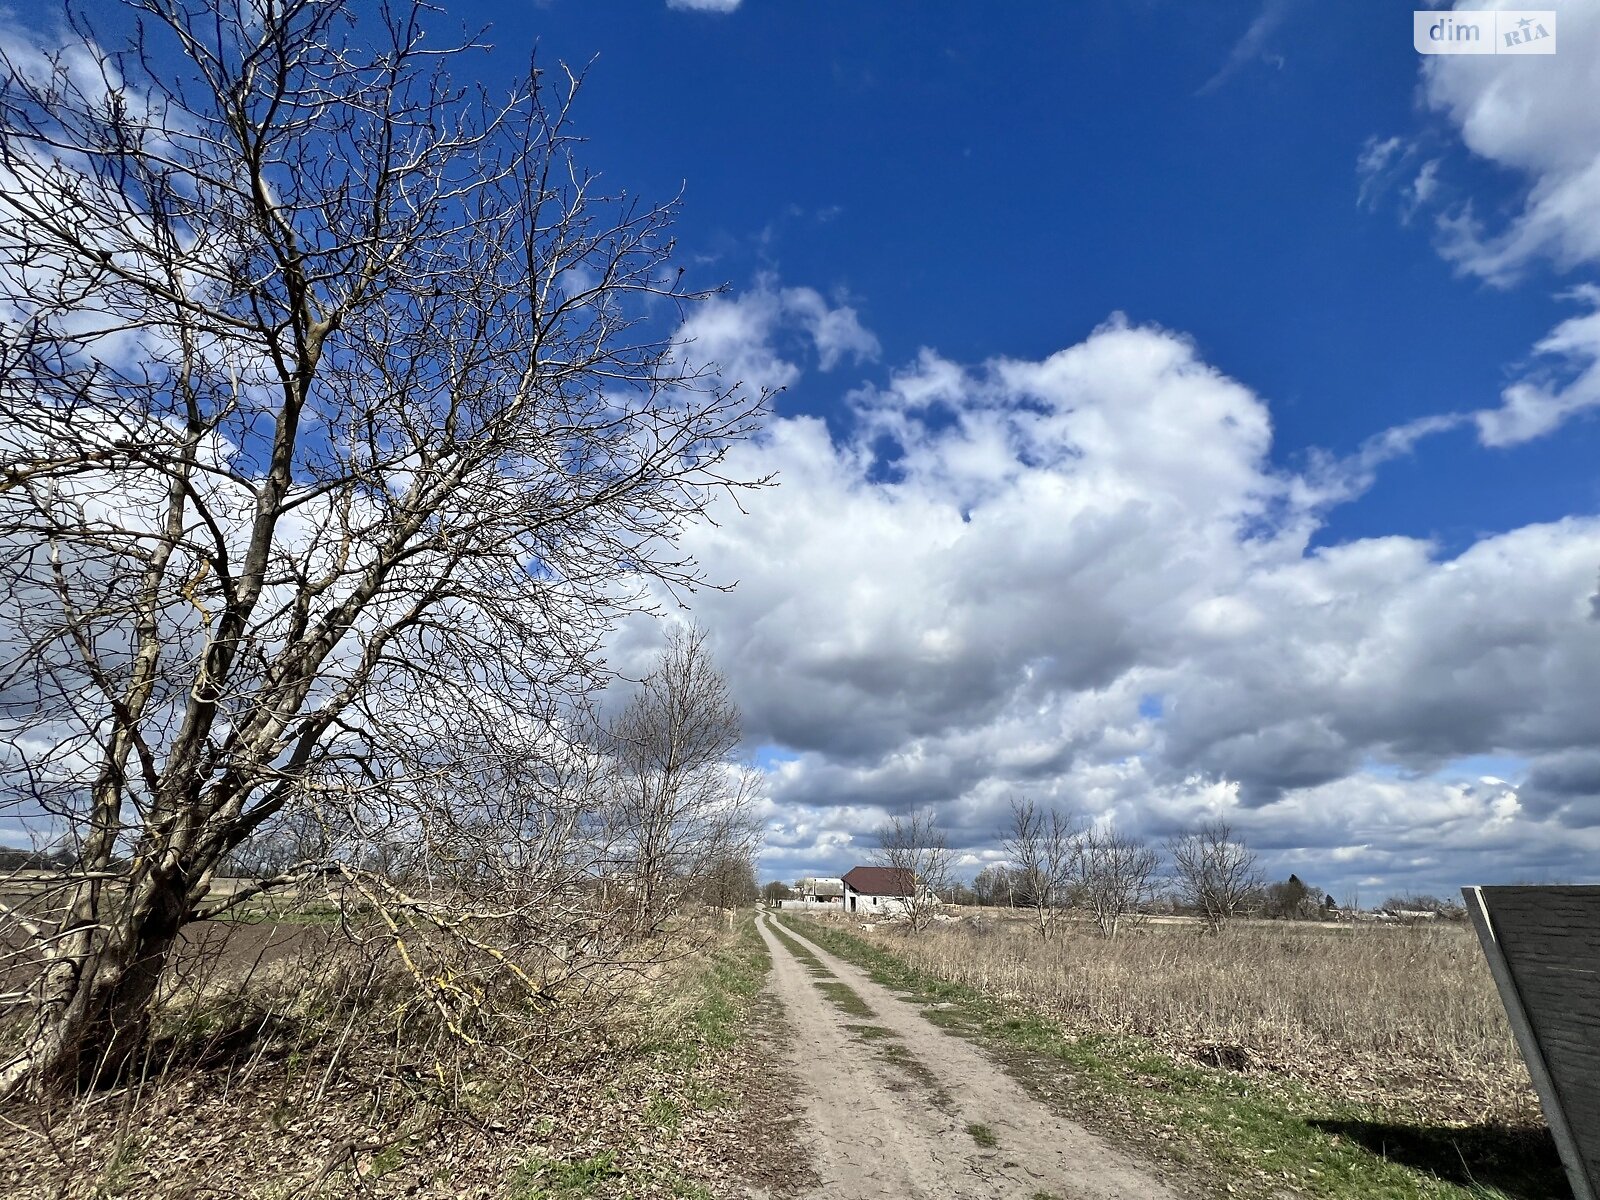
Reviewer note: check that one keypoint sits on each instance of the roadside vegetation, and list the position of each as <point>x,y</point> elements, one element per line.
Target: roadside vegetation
<point>1270,1059</point>
<point>324,1084</point>
<point>578,1032</point>
<point>671,1096</point>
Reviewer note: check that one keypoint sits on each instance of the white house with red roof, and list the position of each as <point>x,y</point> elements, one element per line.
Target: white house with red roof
<point>877,891</point>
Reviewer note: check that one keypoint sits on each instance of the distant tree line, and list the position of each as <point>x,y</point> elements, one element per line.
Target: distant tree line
<point>775,893</point>
<point>12,859</point>
<point>1057,864</point>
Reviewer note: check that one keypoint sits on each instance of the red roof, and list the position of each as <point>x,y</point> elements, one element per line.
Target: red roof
<point>880,881</point>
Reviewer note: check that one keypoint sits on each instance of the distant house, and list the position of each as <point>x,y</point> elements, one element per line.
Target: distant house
<point>881,891</point>
<point>1408,914</point>
<point>820,890</point>
<point>815,892</point>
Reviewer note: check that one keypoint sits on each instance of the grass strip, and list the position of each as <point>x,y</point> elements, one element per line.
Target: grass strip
<point>676,1066</point>
<point>840,995</point>
<point>845,998</point>
<point>913,1068</point>
<point>1247,1136</point>
<point>869,1033</point>
<point>798,949</point>
<point>728,988</point>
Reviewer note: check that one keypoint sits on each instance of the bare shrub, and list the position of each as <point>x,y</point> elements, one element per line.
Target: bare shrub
<point>1114,875</point>
<point>1292,899</point>
<point>914,847</point>
<point>1215,872</point>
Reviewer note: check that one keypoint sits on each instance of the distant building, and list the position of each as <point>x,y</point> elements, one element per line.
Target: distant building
<point>820,890</point>
<point>1408,914</point>
<point>881,891</point>
<point>816,892</point>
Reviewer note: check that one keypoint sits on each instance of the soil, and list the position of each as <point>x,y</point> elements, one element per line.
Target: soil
<point>893,1107</point>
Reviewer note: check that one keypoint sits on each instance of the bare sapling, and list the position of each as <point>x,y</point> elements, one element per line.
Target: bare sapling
<point>914,848</point>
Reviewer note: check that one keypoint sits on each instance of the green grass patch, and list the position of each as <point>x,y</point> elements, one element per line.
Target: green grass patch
<point>1253,1136</point>
<point>982,1135</point>
<point>798,949</point>
<point>845,998</point>
<point>541,1178</point>
<point>870,1033</point>
<point>665,1113</point>
<point>728,987</point>
<point>724,992</point>
<point>386,1160</point>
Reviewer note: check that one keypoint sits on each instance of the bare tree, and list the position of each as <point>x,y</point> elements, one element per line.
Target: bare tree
<point>1216,874</point>
<point>914,847</point>
<point>683,809</point>
<point>1292,900</point>
<point>730,882</point>
<point>333,442</point>
<point>1042,846</point>
<point>993,884</point>
<point>1114,875</point>
<point>775,893</point>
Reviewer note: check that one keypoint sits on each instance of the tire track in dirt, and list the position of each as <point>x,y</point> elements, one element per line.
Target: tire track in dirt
<point>894,1107</point>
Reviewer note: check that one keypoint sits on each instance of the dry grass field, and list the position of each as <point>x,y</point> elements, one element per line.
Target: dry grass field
<point>1406,1016</point>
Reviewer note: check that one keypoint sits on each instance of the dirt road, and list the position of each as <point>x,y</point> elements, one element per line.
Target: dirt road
<point>894,1107</point>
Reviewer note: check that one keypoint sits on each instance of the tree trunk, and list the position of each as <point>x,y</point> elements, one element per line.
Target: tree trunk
<point>94,1011</point>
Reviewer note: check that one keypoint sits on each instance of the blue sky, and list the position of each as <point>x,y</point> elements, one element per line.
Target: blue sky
<point>997,179</point>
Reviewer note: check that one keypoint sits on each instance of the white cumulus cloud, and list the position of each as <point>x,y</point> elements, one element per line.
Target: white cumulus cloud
<point>1534,116</point>
<point>1528,116</point>
<point>1569,383</point>
<point>753,338</point>
<point>1082,578</point>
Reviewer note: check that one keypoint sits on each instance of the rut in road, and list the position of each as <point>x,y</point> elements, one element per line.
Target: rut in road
<point>894,1107</point>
